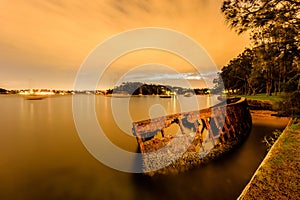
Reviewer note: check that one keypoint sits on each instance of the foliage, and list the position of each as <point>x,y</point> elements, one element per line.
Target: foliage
<point>136,88</point>
<point>3,91</point>
<point>274,26</point>
<point>291,105</point>
<point>270,140</point>
<point>244,15</point>
<point>236,75</point>
<point>271,66</point>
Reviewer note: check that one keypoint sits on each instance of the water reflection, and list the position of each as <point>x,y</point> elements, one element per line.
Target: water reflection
<point>42,156</point>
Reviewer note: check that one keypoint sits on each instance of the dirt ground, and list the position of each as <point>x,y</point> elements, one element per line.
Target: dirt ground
<point>264,114</point>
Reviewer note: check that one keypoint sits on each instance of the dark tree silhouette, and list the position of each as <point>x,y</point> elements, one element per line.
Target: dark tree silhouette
<point>274,61</point>
<point>3,91</point>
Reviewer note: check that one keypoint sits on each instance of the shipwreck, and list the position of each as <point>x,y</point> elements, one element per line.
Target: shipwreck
<point>181,141</point>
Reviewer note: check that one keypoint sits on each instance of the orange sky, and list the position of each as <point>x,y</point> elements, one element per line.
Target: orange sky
<point>45,42</point>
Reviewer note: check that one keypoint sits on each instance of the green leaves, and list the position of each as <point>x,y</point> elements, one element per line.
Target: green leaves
<point>243,15</point>
<point>274,26</point>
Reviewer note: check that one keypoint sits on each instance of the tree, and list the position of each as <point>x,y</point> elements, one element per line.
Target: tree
<point>236,75</point>
<point>244,15</point>
<point>274,26</point>
<point>3,91</point>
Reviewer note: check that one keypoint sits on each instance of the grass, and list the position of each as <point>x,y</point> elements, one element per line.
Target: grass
<point>294,127</point>
<point>273,98</point>
<point>279,175</point>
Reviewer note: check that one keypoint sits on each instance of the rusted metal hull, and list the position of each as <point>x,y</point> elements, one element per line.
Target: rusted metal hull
<point>201,136</point>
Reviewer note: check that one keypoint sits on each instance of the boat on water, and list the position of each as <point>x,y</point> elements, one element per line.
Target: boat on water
<point>34,97</point>
<point>119,95</point>
<point>165,96</point>
<point>201,135</point>
<point>36,94</point>
<point>188,94</point>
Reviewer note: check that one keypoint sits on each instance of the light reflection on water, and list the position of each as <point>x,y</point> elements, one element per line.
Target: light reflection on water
<point>42,156</point>
<point>118,114</point>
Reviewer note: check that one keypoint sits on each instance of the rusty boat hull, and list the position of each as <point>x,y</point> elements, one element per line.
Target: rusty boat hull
<point>202,136</point>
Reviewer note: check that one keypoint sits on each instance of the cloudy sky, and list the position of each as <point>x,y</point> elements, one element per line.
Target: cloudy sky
<point>44,43</point>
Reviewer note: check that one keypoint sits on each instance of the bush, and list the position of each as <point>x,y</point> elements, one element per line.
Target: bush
<point>290,106</point>
<point>270,140</point>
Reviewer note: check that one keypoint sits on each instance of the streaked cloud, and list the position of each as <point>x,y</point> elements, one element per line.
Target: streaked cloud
<point>156,77</point>
<point>48,40</point>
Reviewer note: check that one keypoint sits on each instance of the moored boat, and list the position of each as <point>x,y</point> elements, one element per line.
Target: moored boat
<point>34,97</point>
<point>165,96</point>
<point>188,94</point>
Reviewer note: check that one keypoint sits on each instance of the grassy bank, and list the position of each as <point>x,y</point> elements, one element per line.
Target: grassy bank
<point>262,101</point>
<point>278,176</point>
<point>262,97</point>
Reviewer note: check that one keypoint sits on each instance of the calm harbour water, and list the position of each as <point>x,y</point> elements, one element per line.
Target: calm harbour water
<point>42,156</point>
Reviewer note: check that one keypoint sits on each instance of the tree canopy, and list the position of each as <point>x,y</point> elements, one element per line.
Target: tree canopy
<point>3,91</point>
<point>244,15</point>
<point>271,65</point>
